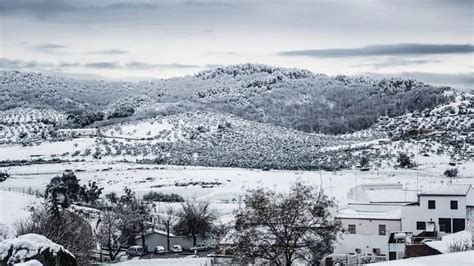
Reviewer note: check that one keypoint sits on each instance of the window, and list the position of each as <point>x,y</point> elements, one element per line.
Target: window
<point>454,205</point>
<point>351,228</point>
<point>382,229</point>
<point>445,225</point>
<point>431,204</point>
<point>420,226</point>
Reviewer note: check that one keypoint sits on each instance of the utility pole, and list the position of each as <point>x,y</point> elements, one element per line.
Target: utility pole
<point>168,234</point>
<point>417,181</point>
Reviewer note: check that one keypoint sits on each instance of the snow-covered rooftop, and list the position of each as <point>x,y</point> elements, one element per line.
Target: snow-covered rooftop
<point>382,193</point>
<point>391,195</point>
<point>157,231</point>
<point>369,211</point>
<point>451,190</point>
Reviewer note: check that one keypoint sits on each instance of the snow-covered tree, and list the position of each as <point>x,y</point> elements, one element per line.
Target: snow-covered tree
<point>279,228</point>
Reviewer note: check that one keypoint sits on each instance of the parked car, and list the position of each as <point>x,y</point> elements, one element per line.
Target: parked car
<point>176,249</point>
<point>159,250</point>
<point>200,247</point>
<point>135,251</point>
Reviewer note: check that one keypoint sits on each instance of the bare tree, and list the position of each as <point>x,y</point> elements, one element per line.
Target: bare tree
<point>125,219</point>
<point>110,233</point>
<point>281,228</point>
<point>195,219</point>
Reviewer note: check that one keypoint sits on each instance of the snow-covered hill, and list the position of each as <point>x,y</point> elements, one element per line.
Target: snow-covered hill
<point>292,98</point>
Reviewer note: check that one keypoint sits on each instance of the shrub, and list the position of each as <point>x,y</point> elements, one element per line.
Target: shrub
<point>453,172</point>
<point>404,161</point>
<point>4,176</point>
<point>158,196</point>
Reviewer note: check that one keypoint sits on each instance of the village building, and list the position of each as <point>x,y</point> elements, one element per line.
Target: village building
<point>78,132</point>
<point>391,193</point>
<point>445,211</point>
<point>157,237</point>
<point>387,222</point>
<point>367,228</point>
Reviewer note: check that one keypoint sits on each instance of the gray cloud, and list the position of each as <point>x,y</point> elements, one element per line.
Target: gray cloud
<point>385,50</point>
<point>6,63</point>
<point>135,65</point>
<point>47,47</point>
<point>110,51</point>
<point>65,65</point>
<point>44,8</point>
<point>16,64</point>
<point>395,62</point>
<point>103,65</point>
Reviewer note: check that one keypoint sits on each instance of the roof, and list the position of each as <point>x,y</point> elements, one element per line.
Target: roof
<point>156,231</point>
<point>390,195</point>
<point>369,211</point>
<point>382,193</point>
<point>451,190</point>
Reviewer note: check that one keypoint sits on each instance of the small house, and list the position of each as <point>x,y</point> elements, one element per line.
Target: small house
<point>157,237</point>
<point>78,132</point>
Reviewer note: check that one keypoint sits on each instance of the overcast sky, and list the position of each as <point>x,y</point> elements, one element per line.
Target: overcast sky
<point>143,39</point>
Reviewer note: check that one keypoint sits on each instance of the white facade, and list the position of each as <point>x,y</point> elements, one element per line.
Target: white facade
<point>78,132</point>
<point>362,244</point>
<point>446,210</point>
<point>371,226</point>
<point>367,228</point>
<point>381,193</point>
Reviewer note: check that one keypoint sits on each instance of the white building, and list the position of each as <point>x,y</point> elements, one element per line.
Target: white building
<point>157,237</point>
<point>446,210</point>
<point>386,218</point>
<point>381,193</point>
<point>367,228</point>
<point>78,132</point>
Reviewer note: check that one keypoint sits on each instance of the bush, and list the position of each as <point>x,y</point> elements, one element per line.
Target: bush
<point>453,172</point>
<point>4,176</point>
<point>158,196</point>
<point>404,161</point>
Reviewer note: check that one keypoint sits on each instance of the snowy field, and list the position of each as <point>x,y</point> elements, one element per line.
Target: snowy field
<point>223,187</point>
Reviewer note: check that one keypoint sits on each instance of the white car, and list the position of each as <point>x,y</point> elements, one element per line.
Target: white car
<point>159,250</point>
<point>200,247</point>
<point>135,251</point>
<point>176,249</point>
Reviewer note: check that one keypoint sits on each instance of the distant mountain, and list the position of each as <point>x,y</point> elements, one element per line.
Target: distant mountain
<point>248,116</point>
<point>291,98</point>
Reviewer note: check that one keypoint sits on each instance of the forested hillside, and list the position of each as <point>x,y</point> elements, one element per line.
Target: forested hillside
<point>291,98</point>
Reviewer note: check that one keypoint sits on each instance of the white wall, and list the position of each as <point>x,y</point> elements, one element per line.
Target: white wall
<point>371,227</point>
<point>153,240</point>
<point>366,243</point>
<point>412,214</point>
